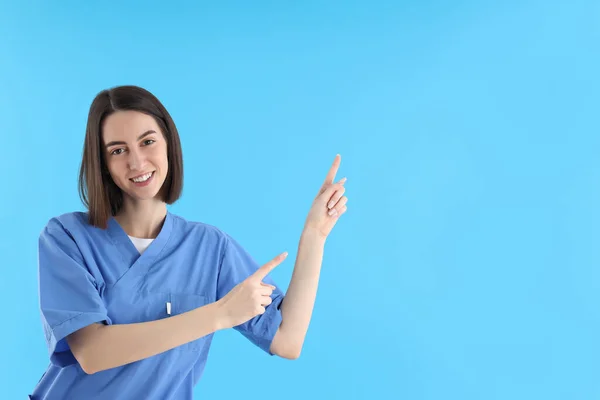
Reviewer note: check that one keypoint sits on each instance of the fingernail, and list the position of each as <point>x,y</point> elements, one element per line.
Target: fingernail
<point>333,212</point>
<point>330,204</point>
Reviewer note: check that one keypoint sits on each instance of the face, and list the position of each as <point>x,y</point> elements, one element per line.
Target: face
<point>136,153</point>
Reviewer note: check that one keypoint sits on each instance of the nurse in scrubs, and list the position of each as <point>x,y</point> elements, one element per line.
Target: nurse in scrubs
<point>131,294</point>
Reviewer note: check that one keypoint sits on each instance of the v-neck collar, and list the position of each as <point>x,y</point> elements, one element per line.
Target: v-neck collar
<point>131,256</point>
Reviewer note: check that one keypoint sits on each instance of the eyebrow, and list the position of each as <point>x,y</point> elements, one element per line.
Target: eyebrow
<point>143,135</point>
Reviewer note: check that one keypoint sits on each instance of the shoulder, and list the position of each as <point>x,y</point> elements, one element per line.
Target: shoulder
<point>199,230</point>
<point>68,223</point>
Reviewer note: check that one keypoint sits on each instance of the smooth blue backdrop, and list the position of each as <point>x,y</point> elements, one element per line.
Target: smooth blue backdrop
<point>468,264</point>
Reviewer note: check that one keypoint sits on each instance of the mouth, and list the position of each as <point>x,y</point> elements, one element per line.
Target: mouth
<point>143,180</point>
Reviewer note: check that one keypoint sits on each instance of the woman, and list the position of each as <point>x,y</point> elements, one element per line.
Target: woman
<point>131,294</point>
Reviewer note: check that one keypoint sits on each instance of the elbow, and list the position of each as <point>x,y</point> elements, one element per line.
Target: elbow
<point>87,369</point>
<point>285,346</point>
<point>87,361</point>
<point>86,365</point>
<point>290,353</point>
<point>82,345</point>
<point>85,358</point>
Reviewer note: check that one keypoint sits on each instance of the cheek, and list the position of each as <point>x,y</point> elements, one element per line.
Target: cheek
<point>160,156</point>
<point>114,168</point>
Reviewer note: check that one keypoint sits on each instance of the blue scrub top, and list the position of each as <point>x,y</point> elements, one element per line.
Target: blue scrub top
<point>89,275</point>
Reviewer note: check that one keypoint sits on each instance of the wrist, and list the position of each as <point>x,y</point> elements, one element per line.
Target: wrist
<point>220,316</point>
<point>312,235</point>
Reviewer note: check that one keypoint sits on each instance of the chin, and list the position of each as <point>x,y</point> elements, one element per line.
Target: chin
<point>149,197</point>
<point>143,193</point>
<point>140,196</point>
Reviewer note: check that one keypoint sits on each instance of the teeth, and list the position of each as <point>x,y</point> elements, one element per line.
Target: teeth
<point>142,178</point>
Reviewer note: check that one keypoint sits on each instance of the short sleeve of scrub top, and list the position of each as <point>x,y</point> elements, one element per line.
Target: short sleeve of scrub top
<point>69,298</point>
<point>236,266</point>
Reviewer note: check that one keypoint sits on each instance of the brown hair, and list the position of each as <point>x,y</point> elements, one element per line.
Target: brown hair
<point>97,190</point>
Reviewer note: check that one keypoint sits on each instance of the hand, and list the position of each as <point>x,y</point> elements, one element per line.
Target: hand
<point>250,297</point>
<point>330,197</point>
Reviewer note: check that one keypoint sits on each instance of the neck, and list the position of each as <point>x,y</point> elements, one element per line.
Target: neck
<point>144,219</point>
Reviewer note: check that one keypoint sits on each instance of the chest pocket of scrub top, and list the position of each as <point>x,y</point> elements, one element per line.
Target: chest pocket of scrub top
<point>181,303</point>
<point>128,307</point>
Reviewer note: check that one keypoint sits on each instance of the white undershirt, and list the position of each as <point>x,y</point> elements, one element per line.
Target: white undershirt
<point>140,244</point>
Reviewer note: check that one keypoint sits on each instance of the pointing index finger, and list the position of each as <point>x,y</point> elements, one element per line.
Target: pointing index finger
<point>333,170</point>
<point>263,271</point>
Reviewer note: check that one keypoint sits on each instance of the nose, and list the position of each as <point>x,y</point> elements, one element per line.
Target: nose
<point>136,160</point>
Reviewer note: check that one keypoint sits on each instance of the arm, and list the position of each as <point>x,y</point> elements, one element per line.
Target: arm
<point>297,306</point>
<point>299,301</point>
<point>98,347</point>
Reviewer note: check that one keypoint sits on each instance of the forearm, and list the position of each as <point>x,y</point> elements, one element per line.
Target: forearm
<point>297,307</point>
<point>100,347</point>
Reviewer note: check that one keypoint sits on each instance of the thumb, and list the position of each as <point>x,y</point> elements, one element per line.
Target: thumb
<point>268,285</point>
<point>268,267</point>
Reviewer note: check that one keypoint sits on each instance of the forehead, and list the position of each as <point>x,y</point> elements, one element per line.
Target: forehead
<point>127,125</point>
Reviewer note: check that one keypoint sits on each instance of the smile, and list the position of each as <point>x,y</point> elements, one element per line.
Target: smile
<point>142,178</point>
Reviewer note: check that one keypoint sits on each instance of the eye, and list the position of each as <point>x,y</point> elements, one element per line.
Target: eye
<point>149,140</point>
<point>114,152</point>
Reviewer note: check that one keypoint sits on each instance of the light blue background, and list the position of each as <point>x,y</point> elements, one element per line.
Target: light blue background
<point>467,265</point>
